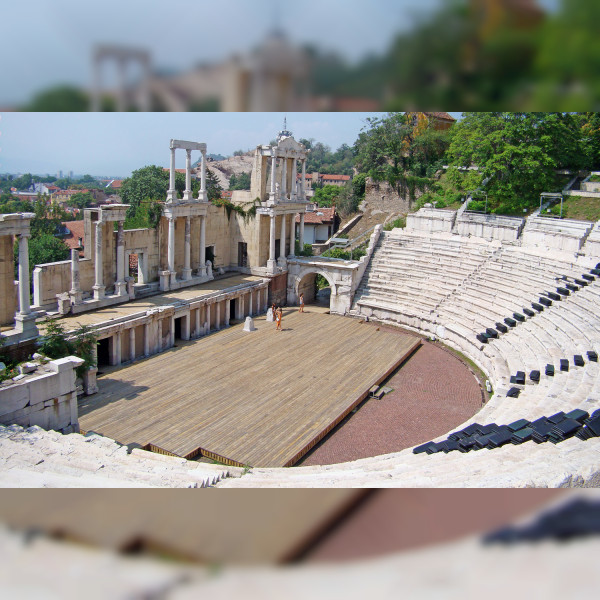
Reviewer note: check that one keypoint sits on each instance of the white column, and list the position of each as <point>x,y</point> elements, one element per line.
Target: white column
<point>159,335</point>
<point>284,180</point>
<point>98,266</point>
<point>116,349</point>
<point>172,192</point>
<point>24,283</point>
<point>120,285</point>
<point>294,178</point>
<point>202,265</point>
<point>146,339</point>
<point>282,240</point>
<point>187,271</point>
<point>272,259</point>
<point>303,179</point>
<point>197,328</point>
<point>187,193</point>
<point>301,236</point>
<point>227,311</point>
<point>186,326</point>
<point>75,276</point>
<point>266,300</point>
<point>172,332</point>
<point>207,324</point>
<point>217,315</point>
<point>171,245</point>
<point>132,344</point>
<point>202,193</point>
<point>273,174</point>
<point>293,235</point>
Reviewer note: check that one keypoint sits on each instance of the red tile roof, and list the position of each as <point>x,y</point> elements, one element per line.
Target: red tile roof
<point>336,177</point>
<point>77,231</point>
<point>318,217</point>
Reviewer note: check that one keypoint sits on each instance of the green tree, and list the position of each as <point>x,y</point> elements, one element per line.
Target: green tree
<point>81,200</point>
<point>239,182</point>
<point>214,191</point>
<point>326,196</point>
<point>59,99</point>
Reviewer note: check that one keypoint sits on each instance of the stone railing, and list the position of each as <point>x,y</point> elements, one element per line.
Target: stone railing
<point>44,395</point>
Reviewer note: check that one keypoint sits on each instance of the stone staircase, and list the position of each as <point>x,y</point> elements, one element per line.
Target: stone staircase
<point>34,457</point>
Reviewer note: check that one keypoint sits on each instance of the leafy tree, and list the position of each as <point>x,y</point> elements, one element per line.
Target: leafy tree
<point>82,200</point>
<point>359,185</point>
<point>239,182</point>
<point>46,248</point>
<point>59,99</point>
<point>326,196</point>
<point>347,201</point>
<point>214,190</point>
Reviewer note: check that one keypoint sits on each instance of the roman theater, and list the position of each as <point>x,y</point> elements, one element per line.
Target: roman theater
<point>461,350</point>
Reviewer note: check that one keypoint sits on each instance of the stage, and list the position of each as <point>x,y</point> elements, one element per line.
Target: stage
<point>261,399</point>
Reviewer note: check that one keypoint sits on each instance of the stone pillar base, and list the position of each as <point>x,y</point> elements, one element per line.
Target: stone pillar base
<point>202,196</point>
<point>121,288</point>
<point>187,196</point>
<point>272,266</point>
<point>25,325</point>
<point>90,385</point>
<point>282,262</point>
<point>130,288</point>
<point>202,272</point>
<point>99,292</point>
<point>187,274</point>
<point>173,278</point>
<point>165,281</point>
<point>76,296</point>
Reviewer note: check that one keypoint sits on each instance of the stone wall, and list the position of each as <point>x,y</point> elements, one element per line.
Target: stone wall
<point>489,227</point>
<point>278,290</point>
<point>55,278</point>
<point>556,234</point>
<point>46,397</point>
<point>380,195</point>
<point>8,305</point>
<point>429,220</point>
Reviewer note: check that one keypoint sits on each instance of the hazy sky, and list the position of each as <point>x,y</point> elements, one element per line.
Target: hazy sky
<point>46,42</point>
<point>114,144</point>
<point>117,143</point>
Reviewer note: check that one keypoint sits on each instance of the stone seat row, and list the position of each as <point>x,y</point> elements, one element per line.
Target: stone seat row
<point>34,457</point>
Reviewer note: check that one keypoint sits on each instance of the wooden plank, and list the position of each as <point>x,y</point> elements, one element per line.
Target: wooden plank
<point>260,399</point>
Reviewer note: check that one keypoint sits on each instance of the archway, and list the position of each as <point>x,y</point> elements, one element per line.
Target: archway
<point>316,286</point>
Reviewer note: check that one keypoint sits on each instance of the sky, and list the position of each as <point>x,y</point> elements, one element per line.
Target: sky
<point>115,144</point>
<point>47,42</point>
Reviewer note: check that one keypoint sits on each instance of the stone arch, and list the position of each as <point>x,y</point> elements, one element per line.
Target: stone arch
<point>303,282</point>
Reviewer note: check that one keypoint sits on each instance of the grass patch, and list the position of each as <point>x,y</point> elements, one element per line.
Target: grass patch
<point>581,208</point>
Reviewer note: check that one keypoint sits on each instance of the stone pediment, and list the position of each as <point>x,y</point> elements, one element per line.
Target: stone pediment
<point>290,144</point>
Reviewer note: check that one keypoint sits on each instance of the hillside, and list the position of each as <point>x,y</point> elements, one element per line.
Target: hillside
<point>237,165</point>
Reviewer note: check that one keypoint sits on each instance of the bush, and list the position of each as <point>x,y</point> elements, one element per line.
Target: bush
<point>478,205</point>
<point>306,251</point>
<point>399,223</point>
<point>57,343</point>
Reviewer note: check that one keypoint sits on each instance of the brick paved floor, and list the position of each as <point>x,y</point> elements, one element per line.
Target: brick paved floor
<point>433,393</point>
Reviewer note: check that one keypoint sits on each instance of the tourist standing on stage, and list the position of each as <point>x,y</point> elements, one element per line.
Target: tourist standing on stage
<point>278,317</point>
<point>301,303</point>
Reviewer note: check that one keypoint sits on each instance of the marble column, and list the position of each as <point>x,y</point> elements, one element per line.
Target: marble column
<point>197,328</point>
<point>116,349</point>
<point>217,316</point>
<point>186,327</point>
<point>284,180</point>
<point>202,265</point>
<point>172,332</point>
<point>294,178</point>
<point>120,284</point>
<point>171,247</point>
<point>98,266</point>
<point>24,283</point>
<point>146,339</point>
<point>303,180</point>
<point>187,193</point>
<point>202,193</point>
<point>187,271</point>
<point>159,335</point>
<point>227,312</point>
<point>250,303</point>
<point>282,241</point>
<point>273,175</point>
<point>172,192</point>
<point>132,344</point>
<point>293,235</point>
<point>75,292</point>
<point>271,262</point>
<point>301,236</point>
<point>207,324</point>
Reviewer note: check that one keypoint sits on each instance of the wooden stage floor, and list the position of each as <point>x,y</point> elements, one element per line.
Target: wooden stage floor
<point>261,399</point>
